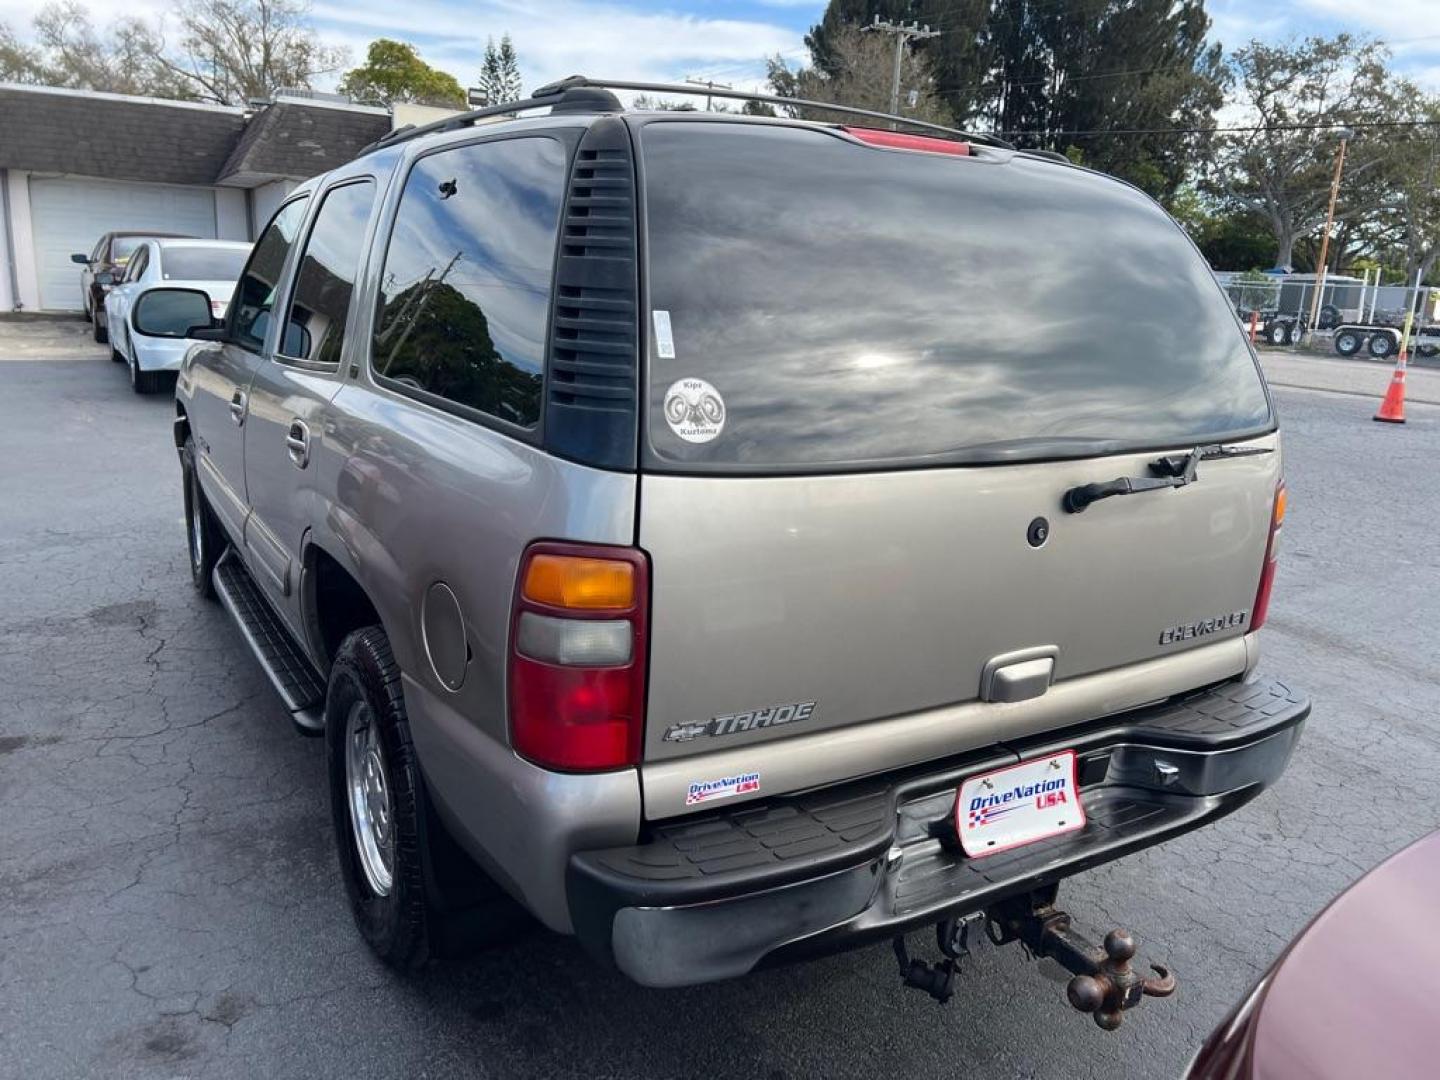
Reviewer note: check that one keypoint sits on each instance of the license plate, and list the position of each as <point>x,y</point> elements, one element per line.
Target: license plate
<point>1019,804</point>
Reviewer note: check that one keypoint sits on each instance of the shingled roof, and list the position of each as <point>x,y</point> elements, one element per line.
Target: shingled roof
<point>297,141</point>
<point>44,129</point>
<point>48,129</point>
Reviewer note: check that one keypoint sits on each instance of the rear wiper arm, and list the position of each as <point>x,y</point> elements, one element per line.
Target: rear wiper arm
<point>1167,472</point>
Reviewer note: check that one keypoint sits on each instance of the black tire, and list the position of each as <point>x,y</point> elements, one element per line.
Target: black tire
<point>146,382</point>
<point>1428,351</point>
<point>98,332</point>
<point>1348,342</point>
<point>364,689</point>
<point>1382,346</point>
<point>203,539</point>
<point>438,901</point>
<point>1277,333</point>
<point>1329,317</point>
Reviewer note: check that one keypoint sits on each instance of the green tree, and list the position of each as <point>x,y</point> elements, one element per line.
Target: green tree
<point>1058,75</point>
<point>1407,218</point>
<point>859,71</point>
<point>393,71</point>
<point>226,51</point>
<point>1296,96</point>
<point>18,62</point>
<point>69,51</point>
<point>1229,239</point>
<point>500,72</point>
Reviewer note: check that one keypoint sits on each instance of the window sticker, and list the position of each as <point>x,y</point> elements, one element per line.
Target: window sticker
<point>694,410</point>
<point>664,336</point>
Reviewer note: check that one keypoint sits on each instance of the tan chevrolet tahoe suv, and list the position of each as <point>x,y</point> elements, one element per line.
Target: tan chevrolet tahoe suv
<point>737,538</point>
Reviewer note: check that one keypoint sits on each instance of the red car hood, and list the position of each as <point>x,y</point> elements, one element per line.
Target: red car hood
<point>1357,994</point>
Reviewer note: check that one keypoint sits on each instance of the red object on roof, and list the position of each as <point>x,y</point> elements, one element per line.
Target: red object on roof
<point>899,140</point>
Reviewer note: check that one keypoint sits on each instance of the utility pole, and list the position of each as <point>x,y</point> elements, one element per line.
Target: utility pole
<point>903,36</point>
<point>709,85</point>
<point>1345,135</point>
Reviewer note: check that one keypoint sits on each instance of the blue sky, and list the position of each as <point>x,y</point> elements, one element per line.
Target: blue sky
<point>672,40</point>
<point>728,41</point>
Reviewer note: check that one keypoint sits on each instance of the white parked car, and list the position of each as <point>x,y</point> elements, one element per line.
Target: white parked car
<point>212,266</point>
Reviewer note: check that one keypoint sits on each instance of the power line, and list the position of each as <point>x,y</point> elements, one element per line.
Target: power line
<point>1071,78</point>
<point>1326,126</point>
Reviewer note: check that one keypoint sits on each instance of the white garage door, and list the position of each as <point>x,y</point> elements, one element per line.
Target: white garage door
<point>69,215</point>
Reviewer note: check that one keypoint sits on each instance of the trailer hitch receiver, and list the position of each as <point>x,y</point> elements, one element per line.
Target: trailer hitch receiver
<point>1104,984</point>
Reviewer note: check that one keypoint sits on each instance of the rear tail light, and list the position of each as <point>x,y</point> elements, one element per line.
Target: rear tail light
<point>577,656</point>
<point>1261,607</point>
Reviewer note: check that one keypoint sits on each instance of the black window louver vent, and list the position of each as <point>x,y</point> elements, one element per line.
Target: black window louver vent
<point>594,358</point>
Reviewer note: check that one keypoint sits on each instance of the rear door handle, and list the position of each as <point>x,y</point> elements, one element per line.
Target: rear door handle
<point>238,402</point>
<point>297,442</point>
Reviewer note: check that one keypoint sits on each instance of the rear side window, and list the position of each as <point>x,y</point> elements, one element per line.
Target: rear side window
<point>201,264</point>
<point>122,247</point>
<point>315,329</point>
<point>136,266</point>
<point>816,303</point>
<point>255,293</point>
<point>465,293</point>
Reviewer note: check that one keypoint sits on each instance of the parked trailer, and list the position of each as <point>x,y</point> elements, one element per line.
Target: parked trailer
<point>1282,328</point>
<point>1383,342</point>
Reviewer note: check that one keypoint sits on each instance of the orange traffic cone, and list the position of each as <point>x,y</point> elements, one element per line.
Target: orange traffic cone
<point>1392,409</point>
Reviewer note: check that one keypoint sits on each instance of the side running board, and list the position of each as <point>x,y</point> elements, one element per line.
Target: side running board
<point>300,686</point>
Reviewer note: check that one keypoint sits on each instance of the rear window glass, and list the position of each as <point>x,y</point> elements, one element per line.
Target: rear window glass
<point>202,264</point>
<point>817,303</point>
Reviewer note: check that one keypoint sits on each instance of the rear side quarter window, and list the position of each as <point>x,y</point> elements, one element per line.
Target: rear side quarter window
<point>466,286</point>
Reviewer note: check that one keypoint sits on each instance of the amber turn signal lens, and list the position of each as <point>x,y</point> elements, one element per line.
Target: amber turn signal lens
<point>1280,500</point>
<point>567,581</point>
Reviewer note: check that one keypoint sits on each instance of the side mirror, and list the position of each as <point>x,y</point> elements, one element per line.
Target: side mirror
<point>172,313</point>
<point>83,260</point>
<point>104,277</point>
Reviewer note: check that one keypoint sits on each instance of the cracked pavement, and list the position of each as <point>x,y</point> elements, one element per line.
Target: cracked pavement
<point>170,906</point>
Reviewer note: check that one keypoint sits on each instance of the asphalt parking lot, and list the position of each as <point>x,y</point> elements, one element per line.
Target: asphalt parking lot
<point>170,907</point>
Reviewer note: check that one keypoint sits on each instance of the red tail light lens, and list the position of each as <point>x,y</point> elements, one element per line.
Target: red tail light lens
<point>1261,607</point>
<point>577,656</point>
<point>898,140</point>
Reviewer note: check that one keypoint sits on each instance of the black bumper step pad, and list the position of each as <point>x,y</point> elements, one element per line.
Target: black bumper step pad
<point>786,839</point>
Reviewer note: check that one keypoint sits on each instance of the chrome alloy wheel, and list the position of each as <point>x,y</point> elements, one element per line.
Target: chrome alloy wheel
<point>197,534</point>
<point>372,811</point>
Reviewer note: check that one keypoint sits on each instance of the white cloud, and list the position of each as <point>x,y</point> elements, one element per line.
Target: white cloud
<point>1391,19</point>
<point>553,39</point>
<point>558,39</point>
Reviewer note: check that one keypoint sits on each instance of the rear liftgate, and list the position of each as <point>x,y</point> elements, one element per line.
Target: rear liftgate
<point>1104,983</point>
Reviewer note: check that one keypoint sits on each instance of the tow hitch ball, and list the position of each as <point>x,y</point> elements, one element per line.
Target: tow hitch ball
<point>1104,983</point>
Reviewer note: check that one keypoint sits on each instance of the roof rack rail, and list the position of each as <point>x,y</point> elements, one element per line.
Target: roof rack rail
<point>553,94</point>
<point>695,90</point>
<point>547,97</point>
<point>1046,155</point>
